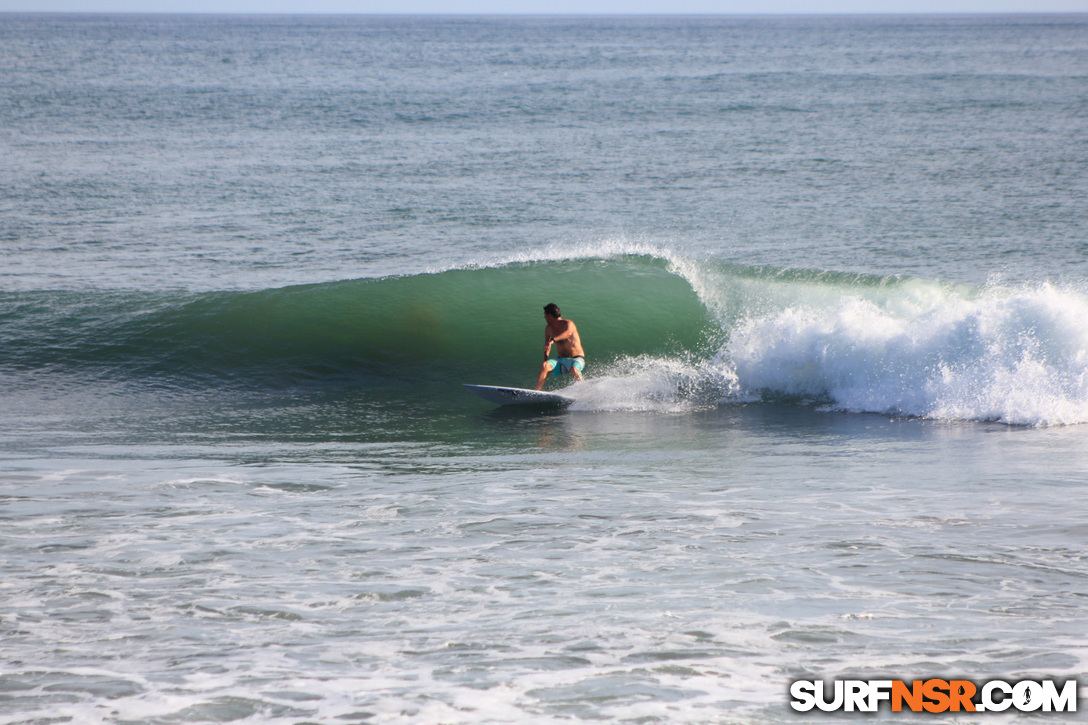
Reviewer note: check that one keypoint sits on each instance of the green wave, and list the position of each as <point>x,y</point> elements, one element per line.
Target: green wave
<point>484,322</point>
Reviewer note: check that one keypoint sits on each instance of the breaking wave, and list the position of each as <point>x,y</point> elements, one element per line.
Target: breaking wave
<point>661,332</point>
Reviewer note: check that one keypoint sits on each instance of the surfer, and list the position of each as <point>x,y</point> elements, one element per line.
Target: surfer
<point>564,333</point>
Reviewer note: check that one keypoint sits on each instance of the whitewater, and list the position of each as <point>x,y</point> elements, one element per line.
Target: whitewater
<point>831,278</point>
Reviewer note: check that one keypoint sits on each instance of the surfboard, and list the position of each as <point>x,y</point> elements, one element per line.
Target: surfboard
<point>518,396</point>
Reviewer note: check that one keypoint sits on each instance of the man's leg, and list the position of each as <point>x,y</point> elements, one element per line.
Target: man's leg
<point>545,368</point>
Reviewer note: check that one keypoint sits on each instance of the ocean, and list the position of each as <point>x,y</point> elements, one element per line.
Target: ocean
<point>831,276</point>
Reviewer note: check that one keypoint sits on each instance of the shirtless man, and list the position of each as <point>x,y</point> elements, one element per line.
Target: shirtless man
<point>564,333</point>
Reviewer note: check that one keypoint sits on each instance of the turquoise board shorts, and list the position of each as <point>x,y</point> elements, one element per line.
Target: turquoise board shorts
<point>563,365</point>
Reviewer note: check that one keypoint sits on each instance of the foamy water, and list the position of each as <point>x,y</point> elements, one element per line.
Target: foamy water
<point>1017,356</point>
<point>595,578</point>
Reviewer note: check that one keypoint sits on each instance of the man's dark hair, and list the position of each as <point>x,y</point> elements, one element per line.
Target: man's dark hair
<point>551,309</point>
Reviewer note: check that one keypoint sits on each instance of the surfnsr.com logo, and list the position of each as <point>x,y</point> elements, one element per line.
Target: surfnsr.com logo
<point>934,695</point>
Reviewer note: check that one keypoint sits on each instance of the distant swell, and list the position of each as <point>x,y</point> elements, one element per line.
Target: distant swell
<point>661,332</point>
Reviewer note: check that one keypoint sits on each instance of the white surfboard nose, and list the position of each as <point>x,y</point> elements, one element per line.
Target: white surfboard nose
<point>517,396</point>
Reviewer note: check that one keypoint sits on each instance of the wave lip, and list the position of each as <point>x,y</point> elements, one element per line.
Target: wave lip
<point>1014,356</point>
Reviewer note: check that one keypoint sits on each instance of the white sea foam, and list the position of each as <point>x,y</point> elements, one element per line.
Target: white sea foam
<point>1018,356</point>
<point>655,384</point>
